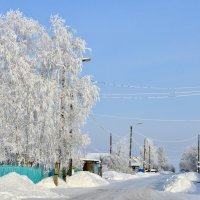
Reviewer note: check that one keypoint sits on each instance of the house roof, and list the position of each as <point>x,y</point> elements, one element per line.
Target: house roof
<point>87,159</point>
<point>136,161</point>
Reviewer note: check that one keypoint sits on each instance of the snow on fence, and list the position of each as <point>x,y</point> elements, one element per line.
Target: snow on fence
<point>34,174</point>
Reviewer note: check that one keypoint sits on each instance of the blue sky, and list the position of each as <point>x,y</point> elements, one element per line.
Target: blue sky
<point>141,43</point>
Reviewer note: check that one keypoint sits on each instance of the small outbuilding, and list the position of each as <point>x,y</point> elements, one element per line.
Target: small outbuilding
<point>92,165</point>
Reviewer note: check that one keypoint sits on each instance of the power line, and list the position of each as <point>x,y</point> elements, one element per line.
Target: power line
<point>147,119</point>
<point>120,85</point>
<point>166,141</point>
<point>102,127</point>
<point>151,95</point>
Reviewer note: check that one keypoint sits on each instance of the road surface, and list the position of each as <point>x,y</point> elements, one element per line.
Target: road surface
<point>148,188</point>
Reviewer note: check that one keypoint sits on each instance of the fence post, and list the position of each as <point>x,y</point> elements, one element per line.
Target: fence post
<point>64,173</point>
<point>70,167</point>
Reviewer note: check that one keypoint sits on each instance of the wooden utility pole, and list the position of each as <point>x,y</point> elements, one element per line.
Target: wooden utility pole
<point>144,161</point>
<point>130,150</point>
<point>198,160</point>
<point>149,158</point>
<point>110,143</point>
<point>100,167</point>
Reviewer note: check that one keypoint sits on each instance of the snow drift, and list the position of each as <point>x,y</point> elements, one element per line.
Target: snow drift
<point>86,179</point>
<point>79,179</point>
<point>182,182</point>
<point>117,176</point>
<point>15,186</point>
<point>49,183</point>
<point>113,175</point>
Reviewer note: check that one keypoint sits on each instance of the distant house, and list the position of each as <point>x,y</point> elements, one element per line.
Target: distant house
<point>136,163</point>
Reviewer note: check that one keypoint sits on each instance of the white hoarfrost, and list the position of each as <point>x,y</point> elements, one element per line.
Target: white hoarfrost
<point>14,186</point>
<point>44,99</point>
<point>182,182</point>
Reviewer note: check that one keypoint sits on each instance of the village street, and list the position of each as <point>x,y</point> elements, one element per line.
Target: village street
<point>135,189</point>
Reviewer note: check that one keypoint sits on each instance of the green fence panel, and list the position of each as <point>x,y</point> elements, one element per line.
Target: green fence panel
<point>34,174</point>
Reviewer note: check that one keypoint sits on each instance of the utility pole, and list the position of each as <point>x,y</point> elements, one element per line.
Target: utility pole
<point>110,143</point>
<point>198,161</point>
<point>144,162</point>
<point>130,150</point>
<point>149,158</point>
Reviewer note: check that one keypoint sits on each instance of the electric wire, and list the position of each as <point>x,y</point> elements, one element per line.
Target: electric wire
<point>147,119</point>
<point>120,85</point>
<point>167,141</point>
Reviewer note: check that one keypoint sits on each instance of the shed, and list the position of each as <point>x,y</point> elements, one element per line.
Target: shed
<point>92,165</point>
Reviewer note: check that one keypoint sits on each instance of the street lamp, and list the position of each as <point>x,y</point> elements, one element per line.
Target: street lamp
<point>86,59</point>
<point>71,106</point>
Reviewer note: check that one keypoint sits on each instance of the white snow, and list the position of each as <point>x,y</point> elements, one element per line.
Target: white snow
<point>49,183</point>
<point>182,182</point>
<point>86,179</point>
<point>14,186</point>
<point>113,175</point>
<point>86,186</point>
<point>79,179</point>
<point>117,176</point>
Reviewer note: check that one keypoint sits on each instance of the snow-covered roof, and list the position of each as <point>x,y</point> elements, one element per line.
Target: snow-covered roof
<point>88,159</point>
<point>135,161</point>
<point>96,156</point>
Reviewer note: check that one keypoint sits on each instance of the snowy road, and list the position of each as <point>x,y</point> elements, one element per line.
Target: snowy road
<point>134,189</point>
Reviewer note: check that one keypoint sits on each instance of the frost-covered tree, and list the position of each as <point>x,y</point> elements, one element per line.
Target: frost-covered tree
<point>119,159</point>
<point>162,159</point>
<point>44,101</point>
<point>148,154</point>
<point>189,159</point>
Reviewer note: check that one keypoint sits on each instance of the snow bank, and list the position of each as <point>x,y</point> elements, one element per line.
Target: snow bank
<point>113,175</point>
<point>117,176</point>
<point>49,183</point>
<point>182,182</point>
<point>14,186</point>
<point>79,179</point>
<point>85,179</point>
<point>165,172</point>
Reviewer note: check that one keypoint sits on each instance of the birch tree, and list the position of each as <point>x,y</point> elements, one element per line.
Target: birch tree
<point>162,159</point>
<point>44,100</point>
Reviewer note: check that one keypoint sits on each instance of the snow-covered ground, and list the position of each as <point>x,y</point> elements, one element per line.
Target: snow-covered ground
<point>187,182</point>
<point>14,186</point>
<point>80,179</point>
<point>116,176</point>
<point>115,186</point>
